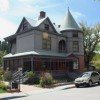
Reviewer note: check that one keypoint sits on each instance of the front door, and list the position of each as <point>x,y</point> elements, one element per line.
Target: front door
<point>71,66</point>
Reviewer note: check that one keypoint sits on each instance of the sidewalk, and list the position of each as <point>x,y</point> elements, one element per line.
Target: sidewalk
<point>27,90</point>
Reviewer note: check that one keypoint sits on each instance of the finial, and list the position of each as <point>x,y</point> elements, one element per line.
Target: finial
<point>68,8</point>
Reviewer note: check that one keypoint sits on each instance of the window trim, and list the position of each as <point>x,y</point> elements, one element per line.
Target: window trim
<point>46,26</point>
<point>47,44</point>
<point>25,26</point>
<point>75,35</point>
<point>76,47</point>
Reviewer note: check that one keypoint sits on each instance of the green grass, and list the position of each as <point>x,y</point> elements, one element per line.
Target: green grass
<point>2,91</point>
<point>96,60</point>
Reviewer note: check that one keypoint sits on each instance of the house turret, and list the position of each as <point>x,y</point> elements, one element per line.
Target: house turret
<point>69,23</point>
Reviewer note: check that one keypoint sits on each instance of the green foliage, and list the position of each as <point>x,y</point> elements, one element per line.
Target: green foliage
<point>4,49</point>
<point>96,60</point>
<point>30,75</point>
<point>1,73</point>
<point>2,53</point>
<point>46,79</point>
<point>91,41</point>
<point>4,46</point>
<point>3,86</point>
<point>8,76</point>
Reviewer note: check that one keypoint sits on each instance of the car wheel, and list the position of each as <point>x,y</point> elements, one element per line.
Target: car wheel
<point>76,85</point>
<point>90,83</point>
<point>99,82</point>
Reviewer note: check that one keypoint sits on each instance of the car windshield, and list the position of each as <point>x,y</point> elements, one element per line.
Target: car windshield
<point>85,75</point>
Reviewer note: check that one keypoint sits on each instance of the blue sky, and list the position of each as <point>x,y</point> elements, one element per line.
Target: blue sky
<point>12,12</point>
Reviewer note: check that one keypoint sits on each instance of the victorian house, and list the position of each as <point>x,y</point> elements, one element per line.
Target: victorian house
<point>40,45</point>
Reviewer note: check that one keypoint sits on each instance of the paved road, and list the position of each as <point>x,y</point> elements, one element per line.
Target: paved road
<point>86,93</point>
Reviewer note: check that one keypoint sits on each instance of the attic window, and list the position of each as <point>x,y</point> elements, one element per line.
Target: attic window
<point>46,26</point>
<point>75,35</point>
<point>25,26</point>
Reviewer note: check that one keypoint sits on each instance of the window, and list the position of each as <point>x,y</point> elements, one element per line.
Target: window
<point>46,26</point>
<point>25,26</point>
<point>75,35</point>
<point>62,46</point>
<point>47,43</point>
<point>75,46</point>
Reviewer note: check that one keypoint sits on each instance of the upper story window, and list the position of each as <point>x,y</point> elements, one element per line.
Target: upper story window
<point>46,26</point>
<point>62,46</point>
<point>75,35</point>
<point>46,43</point>
<point>75,46</point>
<point>25,26</point>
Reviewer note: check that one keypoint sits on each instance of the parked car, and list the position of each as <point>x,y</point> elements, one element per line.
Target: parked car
<point>88,78</point>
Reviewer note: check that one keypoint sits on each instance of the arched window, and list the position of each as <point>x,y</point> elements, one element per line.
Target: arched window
<point>62,46</point>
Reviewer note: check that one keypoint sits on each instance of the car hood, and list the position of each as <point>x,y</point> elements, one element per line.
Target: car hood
<point>81,78</point>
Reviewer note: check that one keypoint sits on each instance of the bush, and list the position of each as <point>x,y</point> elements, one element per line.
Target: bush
<point>30,75</point>
<point>8,76</point>
<point>1,74</point>
<point>46,79</point>
<point>42,82</point>
<point>3,86</point>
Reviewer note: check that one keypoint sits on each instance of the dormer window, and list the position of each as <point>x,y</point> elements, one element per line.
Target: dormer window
<point>25,26</point>
<point>46,26</point>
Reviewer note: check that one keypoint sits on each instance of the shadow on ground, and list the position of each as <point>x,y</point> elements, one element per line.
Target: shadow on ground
<point>12,97</point>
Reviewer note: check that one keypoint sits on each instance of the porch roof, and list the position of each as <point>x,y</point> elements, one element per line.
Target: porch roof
<point>41,53</point>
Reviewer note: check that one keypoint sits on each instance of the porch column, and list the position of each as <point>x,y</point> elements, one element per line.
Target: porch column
<point>21,67</point>
<point>32,63</point>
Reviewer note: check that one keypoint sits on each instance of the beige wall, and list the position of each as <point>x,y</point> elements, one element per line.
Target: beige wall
<point>25,42</point>
<point>13,48</point>
<point>70,40</point>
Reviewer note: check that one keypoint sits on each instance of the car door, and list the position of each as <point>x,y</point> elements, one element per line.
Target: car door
<point>94,77</point>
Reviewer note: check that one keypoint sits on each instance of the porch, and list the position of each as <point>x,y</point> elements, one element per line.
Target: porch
<point>39,61</point>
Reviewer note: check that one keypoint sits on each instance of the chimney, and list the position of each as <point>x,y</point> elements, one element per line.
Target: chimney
<point>42,15</point>
<point>59,26</point>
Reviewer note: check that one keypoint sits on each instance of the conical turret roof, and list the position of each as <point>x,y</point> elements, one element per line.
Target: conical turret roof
<point>69,23</point>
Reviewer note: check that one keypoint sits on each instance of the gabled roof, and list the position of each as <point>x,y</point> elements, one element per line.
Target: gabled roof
<point>35,23</point>
<point>69,23</point>
<point>11,37</point>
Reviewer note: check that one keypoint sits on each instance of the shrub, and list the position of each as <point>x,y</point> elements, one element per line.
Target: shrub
<point>3,86</point>
<point>1,74</point>
<point>8,76</point>
<point>30,75</point>
<point>42,82</point>
<point>46,79</point>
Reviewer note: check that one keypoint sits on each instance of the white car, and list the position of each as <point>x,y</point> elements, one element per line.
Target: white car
<point>87,78</point>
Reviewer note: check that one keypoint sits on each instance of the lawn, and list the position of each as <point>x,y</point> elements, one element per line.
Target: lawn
<point>2,91</point>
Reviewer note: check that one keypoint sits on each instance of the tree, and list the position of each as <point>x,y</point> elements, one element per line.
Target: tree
<point>2,53</point>
<point>91,41</point>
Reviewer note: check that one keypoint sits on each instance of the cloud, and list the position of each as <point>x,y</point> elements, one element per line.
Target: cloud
<point>77,15</point>
<point>32,1</point>
<point>4,5</point>
<point>26,11</point>
<point>7,28</point>
<point>26,1</point>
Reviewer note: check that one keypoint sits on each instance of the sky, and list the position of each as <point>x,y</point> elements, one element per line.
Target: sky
<point>12,12</point>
